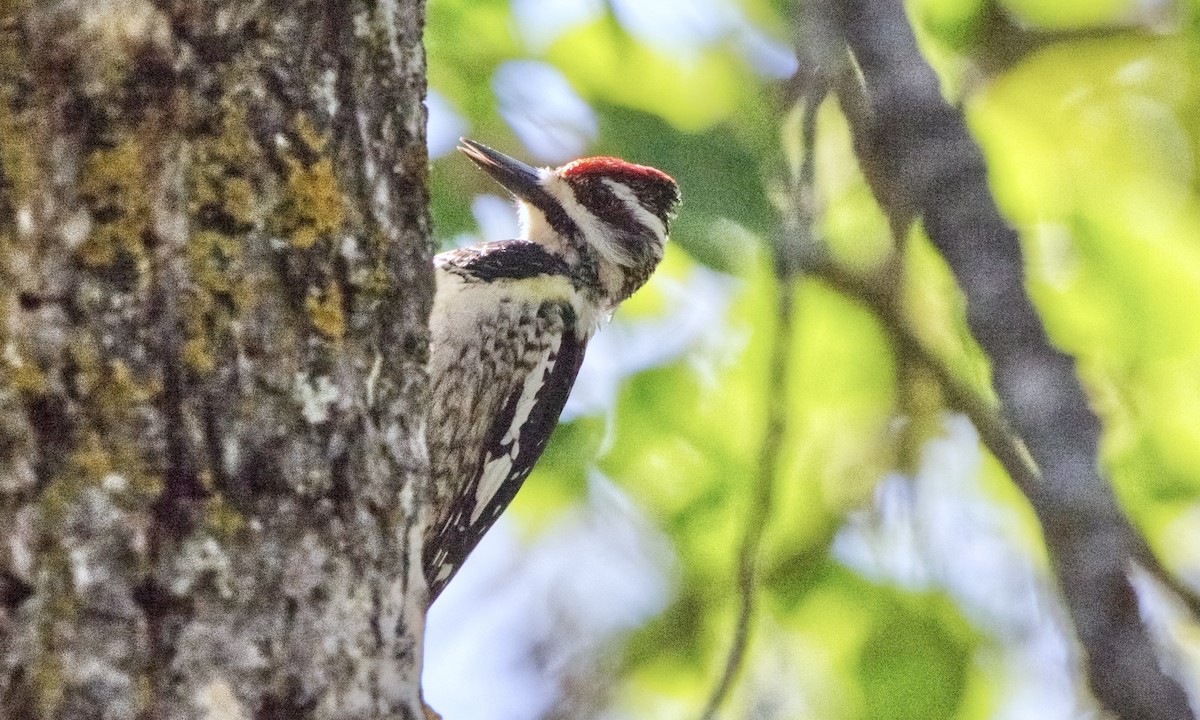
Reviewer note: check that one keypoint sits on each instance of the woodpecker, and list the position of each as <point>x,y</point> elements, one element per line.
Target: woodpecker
<point>510,323</point>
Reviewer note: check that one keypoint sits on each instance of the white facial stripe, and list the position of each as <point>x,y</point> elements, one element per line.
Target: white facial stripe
<point>644,216</point>
<point>595,232</point>
<point>528,217</point>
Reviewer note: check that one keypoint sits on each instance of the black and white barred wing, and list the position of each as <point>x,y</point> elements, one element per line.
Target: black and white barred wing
<point>504,358</point>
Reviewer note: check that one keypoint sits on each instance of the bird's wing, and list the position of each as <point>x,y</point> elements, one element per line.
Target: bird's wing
<point>495,404</point>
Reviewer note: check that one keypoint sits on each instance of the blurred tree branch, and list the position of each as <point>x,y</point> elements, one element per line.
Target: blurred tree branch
<point>994,430</point>
<point>921,162</point>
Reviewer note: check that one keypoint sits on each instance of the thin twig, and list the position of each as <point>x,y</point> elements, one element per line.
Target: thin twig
<point>763,497</point>
<point>797,235</point>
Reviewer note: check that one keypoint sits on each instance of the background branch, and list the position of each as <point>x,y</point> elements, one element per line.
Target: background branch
<point>793,242</point>
<point>919,158</point>
<point>993,429</point>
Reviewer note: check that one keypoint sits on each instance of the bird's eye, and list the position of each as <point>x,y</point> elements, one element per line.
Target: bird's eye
<point>608,202</point>
<point>602,201</point>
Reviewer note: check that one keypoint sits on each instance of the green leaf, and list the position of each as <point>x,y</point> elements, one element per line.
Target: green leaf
<point>915,662</point>
<point>609,66</point>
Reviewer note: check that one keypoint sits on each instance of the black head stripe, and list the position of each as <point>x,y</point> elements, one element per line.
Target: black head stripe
<point>657,197</point>
<point>639,241</point>
<point>599,198</point>
<point>556,215</point>
<point>660,198</point>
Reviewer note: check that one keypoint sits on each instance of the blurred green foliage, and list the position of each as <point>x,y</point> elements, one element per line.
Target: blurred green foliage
<point>1088,116</point>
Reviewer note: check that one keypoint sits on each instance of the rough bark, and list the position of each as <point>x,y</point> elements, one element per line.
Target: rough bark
<point>922,162</point>
<point>214,286</point>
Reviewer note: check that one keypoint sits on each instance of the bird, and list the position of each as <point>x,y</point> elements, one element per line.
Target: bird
<point>510,322</point>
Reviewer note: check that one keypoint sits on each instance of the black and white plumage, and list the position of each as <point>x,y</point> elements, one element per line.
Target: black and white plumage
<point>510,323</point>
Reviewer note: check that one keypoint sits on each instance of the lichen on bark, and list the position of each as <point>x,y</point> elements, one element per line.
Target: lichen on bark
<point>212,395</point>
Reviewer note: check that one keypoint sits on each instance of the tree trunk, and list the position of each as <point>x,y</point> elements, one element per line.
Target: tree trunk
<point>214,284</point>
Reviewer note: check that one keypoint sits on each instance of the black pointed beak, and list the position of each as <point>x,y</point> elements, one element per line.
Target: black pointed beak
<point>516,177</point>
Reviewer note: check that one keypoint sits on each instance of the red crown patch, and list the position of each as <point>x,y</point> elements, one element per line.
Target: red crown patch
<point>611,166</point>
